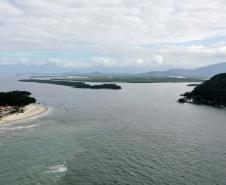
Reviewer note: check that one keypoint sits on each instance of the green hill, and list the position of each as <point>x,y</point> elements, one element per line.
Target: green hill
<point>211,92</point>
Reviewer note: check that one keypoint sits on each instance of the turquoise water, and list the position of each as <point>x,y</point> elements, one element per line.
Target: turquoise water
<point>136,136</point>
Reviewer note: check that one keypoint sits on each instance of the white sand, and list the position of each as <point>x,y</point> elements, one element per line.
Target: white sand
<point>31,111</point>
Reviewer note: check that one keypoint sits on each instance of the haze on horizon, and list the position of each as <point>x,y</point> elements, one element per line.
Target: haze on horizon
<point>126,35</point>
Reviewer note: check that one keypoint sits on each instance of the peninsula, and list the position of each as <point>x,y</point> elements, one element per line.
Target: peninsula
<point>18,106</point>
<point>211,92</point>
<point>75,84</point>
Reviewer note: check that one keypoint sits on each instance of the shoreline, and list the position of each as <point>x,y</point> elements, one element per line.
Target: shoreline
<point>31,112</point>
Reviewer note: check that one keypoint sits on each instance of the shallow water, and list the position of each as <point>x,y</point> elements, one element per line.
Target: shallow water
<point>137,135</point>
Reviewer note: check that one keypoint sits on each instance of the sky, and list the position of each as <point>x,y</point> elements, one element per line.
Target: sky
<point>113,35</point>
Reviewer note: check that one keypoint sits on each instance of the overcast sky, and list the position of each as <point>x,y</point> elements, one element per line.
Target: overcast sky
<point>116,34</point>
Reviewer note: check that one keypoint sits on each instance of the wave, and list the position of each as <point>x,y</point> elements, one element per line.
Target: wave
<point>18,127</point>
<point>57,169</point>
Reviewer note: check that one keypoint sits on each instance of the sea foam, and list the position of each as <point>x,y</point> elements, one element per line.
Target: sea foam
<point>18,127</point>
<point>57,169</point>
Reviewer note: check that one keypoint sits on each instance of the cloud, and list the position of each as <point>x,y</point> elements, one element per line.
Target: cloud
<point>154,60</point>
<point>127,62</point>
<point>118,21</point>
<point>104,61</point>
<point>157,59</point>
<point>172,56</point>
<point>115,32</point>
<point>7,9</point>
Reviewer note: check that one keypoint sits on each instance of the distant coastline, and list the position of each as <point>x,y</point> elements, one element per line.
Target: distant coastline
<point>114,79</point>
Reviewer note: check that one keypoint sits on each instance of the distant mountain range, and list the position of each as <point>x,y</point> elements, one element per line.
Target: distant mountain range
<point>202,72</point>
<point>52,69</point>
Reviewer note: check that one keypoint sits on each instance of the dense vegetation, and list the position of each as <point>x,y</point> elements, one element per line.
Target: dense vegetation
<point>211,92</point>
<point>16,98</point>
<point>74,84</point>
<point>192,85</point>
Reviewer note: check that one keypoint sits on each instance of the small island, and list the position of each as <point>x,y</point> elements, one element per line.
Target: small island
<point>18,105</point>
<point>211,92</point>
<point>75,84</point>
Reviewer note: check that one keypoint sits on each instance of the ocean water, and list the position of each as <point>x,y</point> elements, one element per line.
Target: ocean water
<point>135,136</point>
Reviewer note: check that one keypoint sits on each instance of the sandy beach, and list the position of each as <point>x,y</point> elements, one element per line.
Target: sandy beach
<point>32,111</point>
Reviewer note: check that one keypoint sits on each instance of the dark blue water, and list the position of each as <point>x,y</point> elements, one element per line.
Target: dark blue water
<point>135,136</point>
